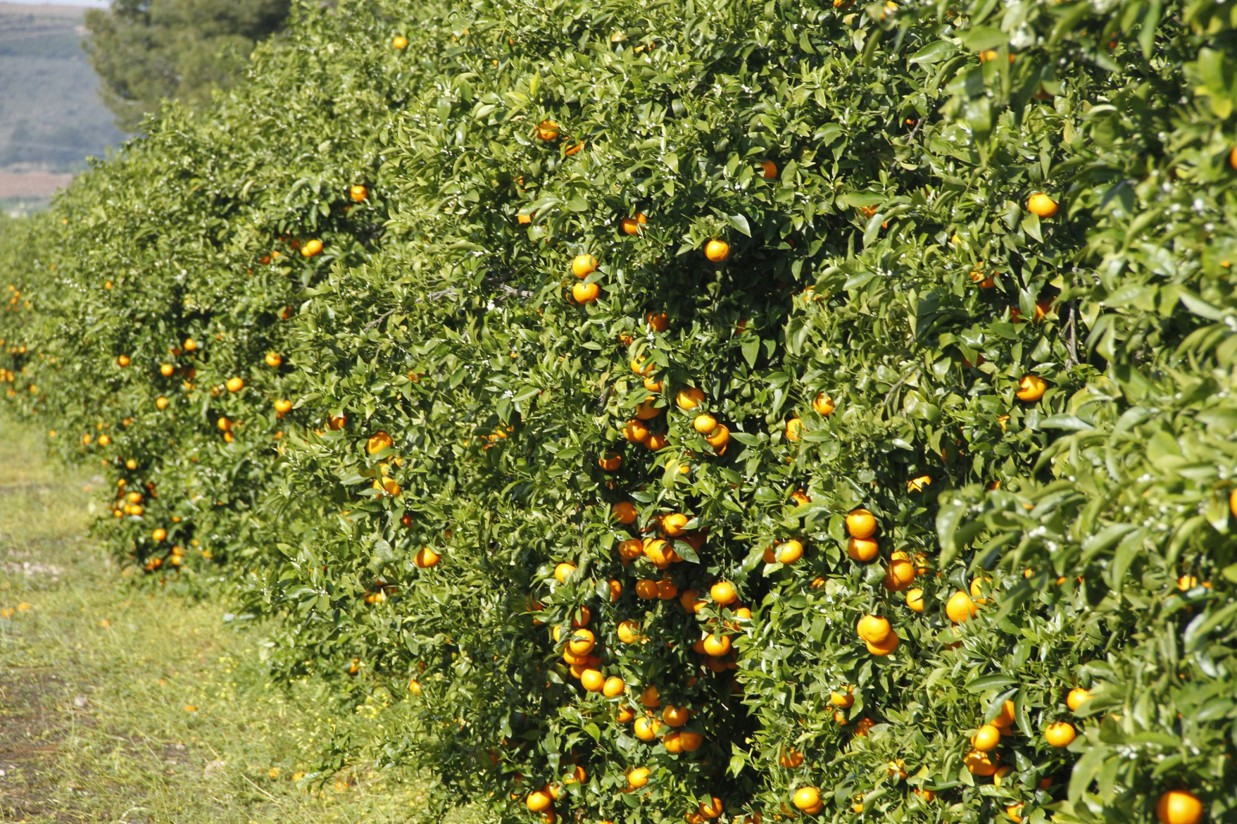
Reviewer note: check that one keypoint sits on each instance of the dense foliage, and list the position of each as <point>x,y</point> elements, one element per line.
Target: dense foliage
<point>146,51</point>
<point>482,347</point>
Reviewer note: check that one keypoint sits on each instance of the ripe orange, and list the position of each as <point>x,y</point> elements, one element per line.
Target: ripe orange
<point>547,130</point>
<point>1005,719</point>
<point>582,642</point>
<point>1014,811</point>
<point>790,758</point>
<point>631,225</point>
<point>674,524</point>
<point>647,409</point>
<point>563,571</point>
<point>689,398</point>
<point>646,589</point>
<point>166,369</point>
<point>358,193</point>
<point>634,431</point>
<point>716,645</point>
<point>861,523</point>
<point>283,406</point>
<point>585,292</point>
<point>646,728</point>
<point>538,800</point>
<point>986,738</point>
<point>122,360</point>
<point>794,429</point>
<point>1031,388</point>
<point>399,42</point>
<point>1041,205</point>
<point>1077,697</point>
<point>886,647</point>
<point>629,632</point>
<point>719,437</point>
<point>624,512</point>
<point>592,680</point>
<point>312,248</point>
<point>610,461</point>
<point>862,549</point>
<point>704,424</point>
<point>900,573</point>
<point>657,321</point>
<point>1180,806</point>
<point>1232,158</point>
<point>873,629</point>
<point>1060,734</point>
<point>638,777</point>
<point>914,599</point>
<point>274,360</point>
<point>583,265</point>
<point>960,607</point>
<point>843,698</point>
<point>768,169</point>
<point>377,442</point>
<point>650,696</point>
<point>161,403</point>
<point>723,593</point>
<point>806,797</point>
<point>613,687</point>
<point>190,345</point>
<point>789,552</point>
<point>979,763</point>
<point>717,250</point>
<point>159,535</point>
<point>675,716</point>
<point>823,404</point>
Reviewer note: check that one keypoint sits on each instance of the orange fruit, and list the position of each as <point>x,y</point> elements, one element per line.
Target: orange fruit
<point>886,647</point>
<point>790,758</point>
<point>273,359</point>
<point>1005,719</point>
<point>675,716</point>
<point>166,369</point>
<point>583,265</point>
<point>646,589</point>
<point>823,404</point>
<point>1180,806</point>
<point>582,642</point>
<point>674,523</point>
<point>161,403</point>
<point>613,687</point>
<point>716,645</point>
<point>399,42</point>
<point>190,345</point>
<point>312,248</point>
<point>986,738</point>
<point>1060,734</point>
<point>631,225</point>
<point>979,763</point>
<point>717,250</point>
<point>631,549</point>
<point>656,441</point>
<point>635,431</point>
<point>900,573</point>
<point>723,593</point>
<point>563,571</point>
<point>960,607</point>
<point>638,777</point>
<point>704,423</point>
<point>642,367</point>
<point>1041,205</point>
<point>844,698</point>
<point>624,512</point>
<point>378,441</point>
<point>646,728</point>
<point>1077,697</point>
<point>805,798</point>
<point>1014,811</point>
<point>789,552</point>
<point>592,680</point>
<point>794,430</point>
<point>358,193</point>
<point>862,549</point>
<point>427,558</point>
<point>914,599</point>
<point>629,632</point>
<point>539,800</point>
<point>610,461</point>
<point>768,170</point>
<point>1031,388</point>
<point>585,292</point>
<point>719,437</point>
<point>650,696</point>
<point>689,398</point>
<point>647,409</point>
<point>547,130</point>
<point>873,628</point>
<point>710,809</point>
<point>860,523</point>
<point>657,321</point>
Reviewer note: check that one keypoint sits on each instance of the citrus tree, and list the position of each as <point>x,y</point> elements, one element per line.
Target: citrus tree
<point>694,410</point>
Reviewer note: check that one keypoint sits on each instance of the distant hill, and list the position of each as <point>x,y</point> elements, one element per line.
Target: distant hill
<point>51,117</point>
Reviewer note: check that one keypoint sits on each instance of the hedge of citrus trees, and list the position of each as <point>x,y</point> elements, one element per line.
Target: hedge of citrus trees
<point>736,411</point>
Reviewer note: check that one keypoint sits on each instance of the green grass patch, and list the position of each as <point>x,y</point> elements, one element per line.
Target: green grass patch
<point>118,703</point>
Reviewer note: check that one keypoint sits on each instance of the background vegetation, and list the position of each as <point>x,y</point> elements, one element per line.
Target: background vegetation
<point>381,347</point>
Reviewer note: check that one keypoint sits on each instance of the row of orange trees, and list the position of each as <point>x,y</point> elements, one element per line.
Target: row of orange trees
<point>693,410</point>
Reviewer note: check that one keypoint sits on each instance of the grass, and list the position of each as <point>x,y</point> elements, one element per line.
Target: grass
<point>122,704</point>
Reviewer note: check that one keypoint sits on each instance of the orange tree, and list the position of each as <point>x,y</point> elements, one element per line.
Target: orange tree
<point>704,410</point>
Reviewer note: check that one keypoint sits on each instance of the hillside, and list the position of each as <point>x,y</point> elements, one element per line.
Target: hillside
<point>51,117</point>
